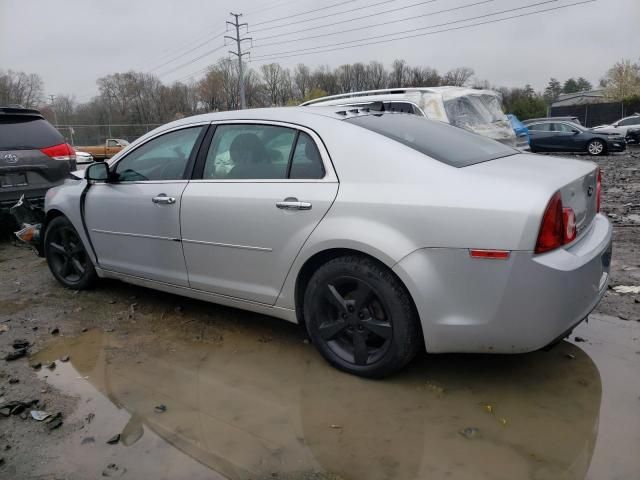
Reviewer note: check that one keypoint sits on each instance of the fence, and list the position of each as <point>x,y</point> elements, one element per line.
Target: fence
<point>597,113</point>
<point>79,135</point>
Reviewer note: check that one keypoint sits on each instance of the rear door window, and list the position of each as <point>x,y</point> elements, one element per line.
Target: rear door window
<point>262,152</point>
<point>26,133</point>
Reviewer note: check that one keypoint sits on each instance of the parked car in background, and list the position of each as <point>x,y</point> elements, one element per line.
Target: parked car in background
<point>575,120</point>
<point>109,149</point>
<point>621,126</point>
<point>83,158</point>
<point>478,111</point>
<point>521,131</point>
<point>381,233</point>
<point>33,156</point>
<point>555,136</point>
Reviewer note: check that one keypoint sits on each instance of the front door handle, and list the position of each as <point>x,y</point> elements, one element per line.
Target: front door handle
<point>292,203</point>
<point>162,199</point>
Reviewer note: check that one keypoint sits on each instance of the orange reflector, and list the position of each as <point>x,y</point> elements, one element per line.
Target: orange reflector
<point>490,254</point>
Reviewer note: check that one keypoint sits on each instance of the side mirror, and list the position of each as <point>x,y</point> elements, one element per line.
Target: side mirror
<point>97,172</point>
<point>576,132</point>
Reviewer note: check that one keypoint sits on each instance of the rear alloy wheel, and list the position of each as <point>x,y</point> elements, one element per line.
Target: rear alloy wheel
<point>66,256</point>
<point>596,147</point>
<point>360,317</point>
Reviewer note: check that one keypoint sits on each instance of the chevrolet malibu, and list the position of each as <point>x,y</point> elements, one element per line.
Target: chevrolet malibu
<point>382,233</point>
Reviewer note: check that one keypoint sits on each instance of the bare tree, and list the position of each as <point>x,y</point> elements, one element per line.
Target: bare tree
<point>424,77</point>
<point>399,75</point>
<point>457,77</point>
<point>377,76</point>
<point>302,80</point>
<point>272,76</point>
<point>326,80</point>
<point>20,88</point>
<point>344,75</point>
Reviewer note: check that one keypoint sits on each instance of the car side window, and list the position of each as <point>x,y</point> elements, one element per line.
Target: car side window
<point>306,162</point>
<point>112,143</point>
<point>629,121</point>
<point>401,107</point>
<point>540,127</point>
<point>163,158</point>
<point>561,127</point>
<point>245,151</point>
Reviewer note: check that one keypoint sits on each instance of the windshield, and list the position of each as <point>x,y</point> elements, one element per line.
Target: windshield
<point>438,140</point>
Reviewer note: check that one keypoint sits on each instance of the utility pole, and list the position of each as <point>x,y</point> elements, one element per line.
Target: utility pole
<point>55,116</point>
<point>239,53</point>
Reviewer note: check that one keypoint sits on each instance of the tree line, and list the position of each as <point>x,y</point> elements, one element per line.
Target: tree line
<point>142,98</point>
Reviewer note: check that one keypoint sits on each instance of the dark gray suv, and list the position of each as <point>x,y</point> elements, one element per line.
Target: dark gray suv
<point>33,156</point>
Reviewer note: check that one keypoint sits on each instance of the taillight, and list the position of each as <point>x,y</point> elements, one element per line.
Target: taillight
<point>558,226</point>
<point>63,151</point>
<point>598,191</point>
<point>569,221</point>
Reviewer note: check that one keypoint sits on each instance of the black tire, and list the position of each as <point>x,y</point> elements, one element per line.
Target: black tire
<point>596,147</point>
<point>360,317</point>
<point>67,259</point>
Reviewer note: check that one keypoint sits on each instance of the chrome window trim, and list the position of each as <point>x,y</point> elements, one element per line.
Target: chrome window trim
<point>330,175</point>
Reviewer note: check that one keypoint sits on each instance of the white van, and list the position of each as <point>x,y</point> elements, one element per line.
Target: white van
<point>478,111</point>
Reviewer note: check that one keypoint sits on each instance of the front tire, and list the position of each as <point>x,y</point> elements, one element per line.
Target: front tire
<point>596,147</point>
<point>67,259</point>
<point>360,317</point>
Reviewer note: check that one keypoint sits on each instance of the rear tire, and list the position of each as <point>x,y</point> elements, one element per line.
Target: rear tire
<point>596,147</point>
<point>360,317</point>
<point>67,259</point>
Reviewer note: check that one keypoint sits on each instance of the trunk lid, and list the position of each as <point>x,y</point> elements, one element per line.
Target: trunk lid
<point>575,179</point>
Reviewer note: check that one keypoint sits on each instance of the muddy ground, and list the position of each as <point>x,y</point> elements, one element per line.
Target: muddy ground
<point>196,390</point>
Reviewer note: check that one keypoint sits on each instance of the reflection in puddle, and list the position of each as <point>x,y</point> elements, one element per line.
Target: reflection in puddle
<point>248,409</point>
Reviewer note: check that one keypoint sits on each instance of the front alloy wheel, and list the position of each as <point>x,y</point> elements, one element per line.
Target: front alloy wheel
<point>66,256</point>
<point>596,147</point>
<point>360,317</point>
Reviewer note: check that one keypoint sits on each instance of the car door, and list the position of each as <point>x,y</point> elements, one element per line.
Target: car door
<point>257,194</point>
<point>565,139</point>
<point>134,219</point>
<point>540,134</point>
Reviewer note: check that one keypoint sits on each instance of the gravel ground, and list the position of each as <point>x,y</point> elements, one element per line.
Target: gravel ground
<point>34,308</point>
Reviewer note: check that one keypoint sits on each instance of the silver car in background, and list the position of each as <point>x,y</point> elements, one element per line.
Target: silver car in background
<point>382,233</point>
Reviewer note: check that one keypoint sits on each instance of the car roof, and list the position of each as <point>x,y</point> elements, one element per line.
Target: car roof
<point>279,114</point>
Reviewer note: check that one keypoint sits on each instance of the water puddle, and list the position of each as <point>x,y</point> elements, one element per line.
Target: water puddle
<point>249,409</point>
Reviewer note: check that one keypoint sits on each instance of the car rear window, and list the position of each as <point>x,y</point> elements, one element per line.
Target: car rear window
<point>23,133</point>
<point>440,141</point>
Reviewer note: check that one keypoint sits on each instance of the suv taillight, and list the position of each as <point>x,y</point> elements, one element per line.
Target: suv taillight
<point>63,151</point>
<point>598,191</point>
<point>558,226</point>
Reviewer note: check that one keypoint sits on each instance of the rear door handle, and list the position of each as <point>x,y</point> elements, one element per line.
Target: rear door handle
<point>291,203</point>
<point>162,199</point>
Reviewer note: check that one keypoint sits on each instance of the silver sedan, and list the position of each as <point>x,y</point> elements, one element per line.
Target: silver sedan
<point>383,234</point>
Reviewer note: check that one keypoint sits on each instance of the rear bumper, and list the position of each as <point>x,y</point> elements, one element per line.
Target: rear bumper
<point>507,306</point>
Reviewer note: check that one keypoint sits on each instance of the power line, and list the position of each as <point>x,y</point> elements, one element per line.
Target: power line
<point>343,21</point>
<point>374,37</point>
<point>277,4</point>
<point>344,47</point>
<point>209,52</point>
<point>368,27</point>
<point>333,5</point>
<point>186,53</point>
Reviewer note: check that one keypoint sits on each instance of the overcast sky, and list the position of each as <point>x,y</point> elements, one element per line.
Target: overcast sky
<point>71,43</point>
